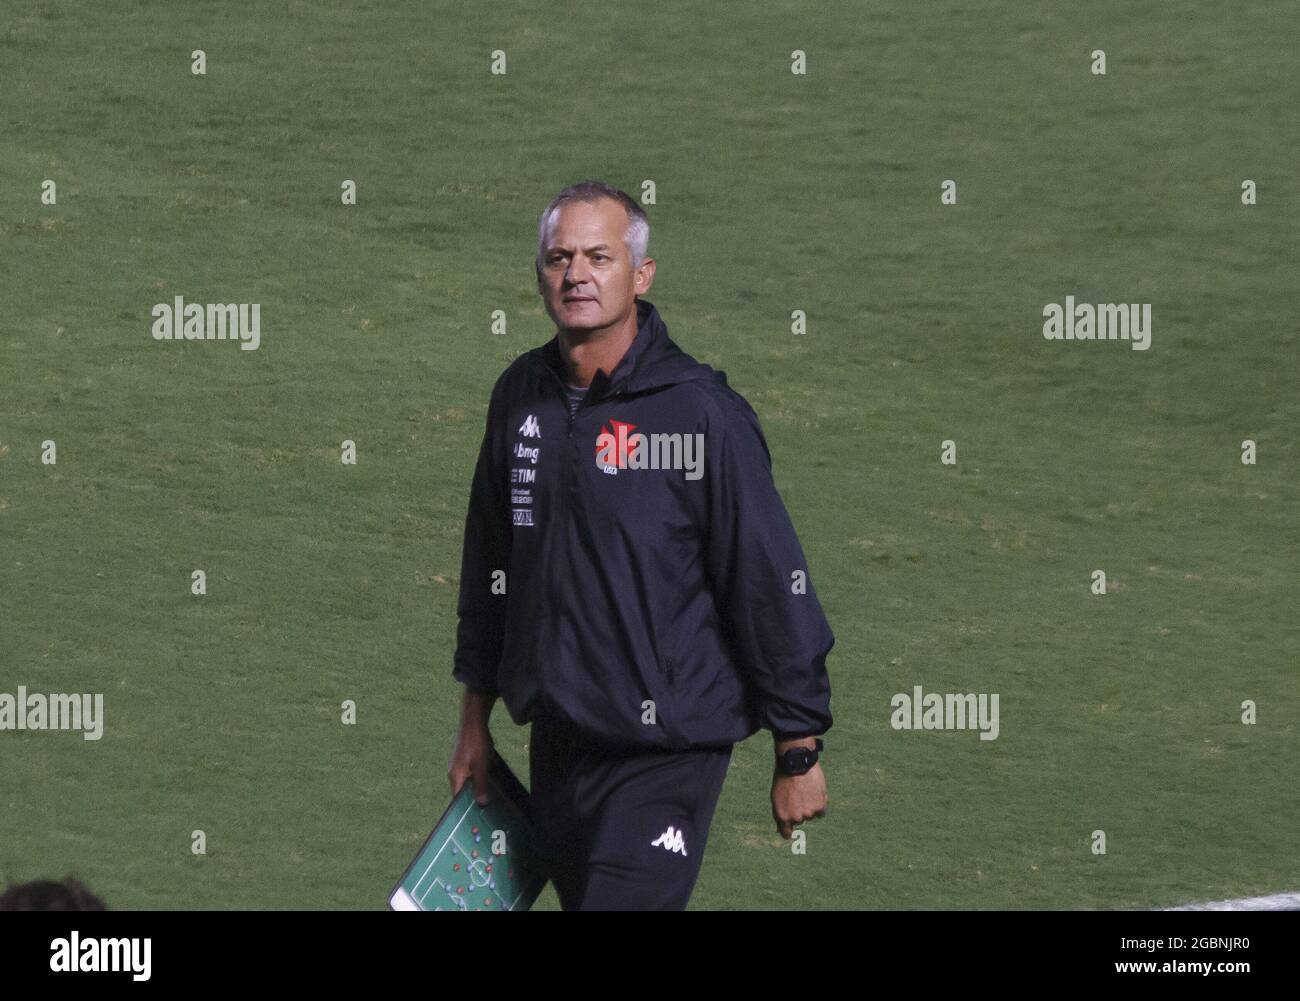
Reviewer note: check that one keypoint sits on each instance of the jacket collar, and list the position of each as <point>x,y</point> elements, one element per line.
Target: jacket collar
<point>651,337</point>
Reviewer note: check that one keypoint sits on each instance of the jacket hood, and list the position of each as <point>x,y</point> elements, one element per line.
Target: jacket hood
<point>653,361</point>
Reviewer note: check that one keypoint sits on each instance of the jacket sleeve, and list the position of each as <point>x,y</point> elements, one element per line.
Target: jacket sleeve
<point>771,616</point>
<point>480,634</point>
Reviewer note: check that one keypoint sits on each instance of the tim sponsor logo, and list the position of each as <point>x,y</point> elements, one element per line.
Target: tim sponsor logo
<point>617,447</point>
<point>75,954</point>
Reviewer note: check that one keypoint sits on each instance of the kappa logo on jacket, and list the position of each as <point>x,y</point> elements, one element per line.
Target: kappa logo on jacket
<point>530,428</point>
<point>672,840</point>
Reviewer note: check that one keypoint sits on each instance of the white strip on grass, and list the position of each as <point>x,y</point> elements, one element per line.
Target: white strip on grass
<point>1274,902</point>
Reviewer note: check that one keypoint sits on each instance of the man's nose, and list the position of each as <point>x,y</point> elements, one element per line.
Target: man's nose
<point>578,272</point>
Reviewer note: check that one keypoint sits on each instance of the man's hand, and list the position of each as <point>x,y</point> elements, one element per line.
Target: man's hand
<point>796,798</point>
<point>474,747</point>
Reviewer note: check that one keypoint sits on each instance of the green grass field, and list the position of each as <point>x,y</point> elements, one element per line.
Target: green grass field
<point>775,192</point>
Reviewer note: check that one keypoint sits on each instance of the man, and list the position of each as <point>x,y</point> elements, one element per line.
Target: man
<point>631,583</point>
<point>48,895</point>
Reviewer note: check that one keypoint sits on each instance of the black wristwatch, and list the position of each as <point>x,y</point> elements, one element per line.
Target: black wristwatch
<point>798,760</point>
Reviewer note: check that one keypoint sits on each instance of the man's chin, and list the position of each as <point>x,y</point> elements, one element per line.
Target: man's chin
<point>586,317</point>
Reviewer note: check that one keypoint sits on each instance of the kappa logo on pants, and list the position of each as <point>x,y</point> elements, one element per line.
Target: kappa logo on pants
<point>672,840</point>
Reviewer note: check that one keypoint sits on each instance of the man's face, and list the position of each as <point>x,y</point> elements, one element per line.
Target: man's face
<point>587,280</point>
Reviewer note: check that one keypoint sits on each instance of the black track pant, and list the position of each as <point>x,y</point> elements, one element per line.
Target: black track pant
<point>621,830</point>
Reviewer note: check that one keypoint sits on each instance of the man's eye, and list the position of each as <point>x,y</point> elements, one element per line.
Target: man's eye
<point>598,257</point>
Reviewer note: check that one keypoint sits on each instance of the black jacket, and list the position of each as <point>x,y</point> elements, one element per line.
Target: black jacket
<point>590,588</point>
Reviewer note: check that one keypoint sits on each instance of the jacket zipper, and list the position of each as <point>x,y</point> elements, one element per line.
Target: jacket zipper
<point>562,492</point>
<point>560,497</point>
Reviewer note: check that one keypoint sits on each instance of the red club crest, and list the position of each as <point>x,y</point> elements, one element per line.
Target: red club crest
<point>620,431</point>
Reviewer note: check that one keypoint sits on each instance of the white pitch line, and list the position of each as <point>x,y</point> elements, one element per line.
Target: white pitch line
<point>1274,902</point>
<point>434,861</point>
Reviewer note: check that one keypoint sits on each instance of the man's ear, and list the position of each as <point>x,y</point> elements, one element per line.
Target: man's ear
<point>644,276</point>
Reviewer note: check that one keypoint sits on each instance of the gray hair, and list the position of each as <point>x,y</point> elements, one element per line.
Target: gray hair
<point>637,236</point>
